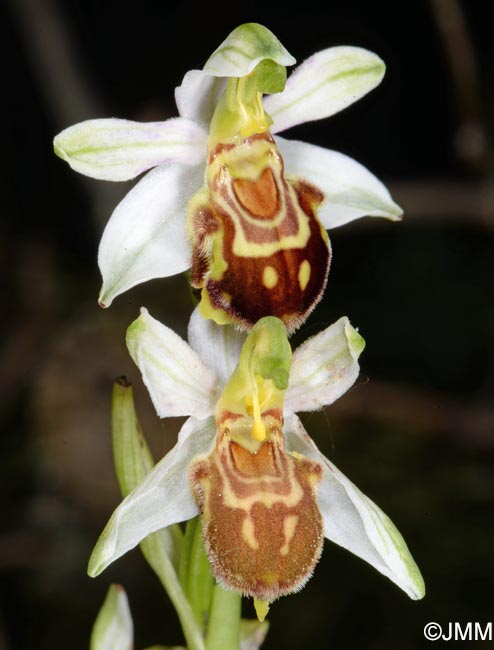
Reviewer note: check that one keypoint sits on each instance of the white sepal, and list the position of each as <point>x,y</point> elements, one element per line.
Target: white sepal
<point>324,367</point>
<point>218,346</point>
<point>163,498</point>
<point>177,380</point>
<point>243,49</point>
<point>197,96</point>
<point>354,522</point>
<point>113,628</point>
<point>324,84</point>
<point>118,150</point>
<point>145,237</point>
<point>350,190</point>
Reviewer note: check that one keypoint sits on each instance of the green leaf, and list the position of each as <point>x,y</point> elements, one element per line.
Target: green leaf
<point>133,461</point>
<point>131,454</point>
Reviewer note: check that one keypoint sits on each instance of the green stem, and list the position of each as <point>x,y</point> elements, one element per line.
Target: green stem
<point>195,573</point>
<point>224,621</point>
<point>158,559</point>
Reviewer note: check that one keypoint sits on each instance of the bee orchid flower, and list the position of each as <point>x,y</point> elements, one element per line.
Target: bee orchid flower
<point>243,208</point>
<point>243,460</point>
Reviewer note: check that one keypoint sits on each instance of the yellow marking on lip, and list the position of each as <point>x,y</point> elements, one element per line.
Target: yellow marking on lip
<point>304,274</point>
<point>289,527</point>
<point>232,500</point>
<point>270,277</point>
<point>242,247</point>
<point>207,310</point>
<point>249,534</point>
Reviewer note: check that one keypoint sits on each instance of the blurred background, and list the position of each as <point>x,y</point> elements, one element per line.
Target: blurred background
<point>416,431</point>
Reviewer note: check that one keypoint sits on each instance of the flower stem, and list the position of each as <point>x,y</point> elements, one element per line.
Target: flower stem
<point>159,561</point>
<point>224,621</point>
<point>195,573</point>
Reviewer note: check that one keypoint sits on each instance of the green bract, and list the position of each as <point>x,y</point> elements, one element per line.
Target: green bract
<point>113,628</point>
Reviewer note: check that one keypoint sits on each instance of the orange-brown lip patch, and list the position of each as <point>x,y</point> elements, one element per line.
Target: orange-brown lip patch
<point>259,197</point>
<point>287,299</point>
<point>262,526</point>
<point>256,238</point>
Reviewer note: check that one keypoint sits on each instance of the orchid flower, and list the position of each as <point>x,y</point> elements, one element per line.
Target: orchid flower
<point>245,463</point>
<point>245,210</point>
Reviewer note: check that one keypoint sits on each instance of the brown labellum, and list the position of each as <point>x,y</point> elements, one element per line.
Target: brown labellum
<point>258,247</point>
<point>262,526</point>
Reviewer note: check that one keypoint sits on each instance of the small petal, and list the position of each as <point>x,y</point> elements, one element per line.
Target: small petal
<point>118,150</point>
<point>324,84</point>
<point>145,237</point>
<point>198,95</point>
<point>350,190</point>
<point>218,346</point>
<point>324,367</point>
<point>243,49</point>
<point>354,522</point>
<point>113,628</point>
<point>176,378</point>
<point>163,498</point>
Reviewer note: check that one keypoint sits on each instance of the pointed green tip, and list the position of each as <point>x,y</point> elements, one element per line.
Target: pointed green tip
<point>99,557</point>
<point>356,342</point>
<point>420,586</point>
<point>417,590</point>
<point>58,150</point>
<point>397,214</point>
<point>135,331</point>
<point>94,567</point>
<point>262,609</point>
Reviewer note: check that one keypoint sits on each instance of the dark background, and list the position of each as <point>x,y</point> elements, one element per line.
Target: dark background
<point>415,433</point>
